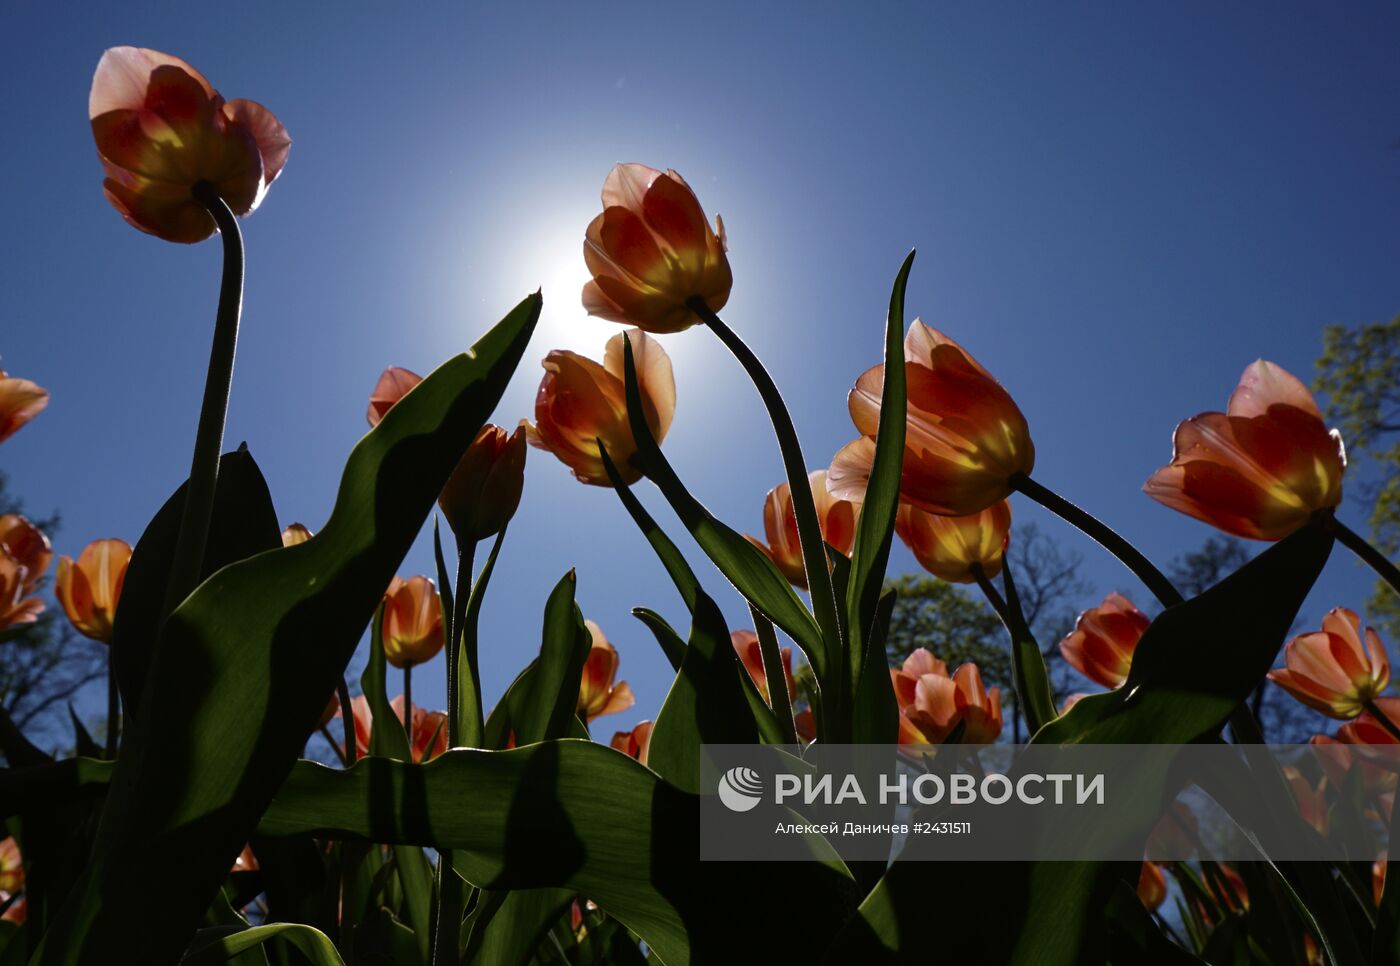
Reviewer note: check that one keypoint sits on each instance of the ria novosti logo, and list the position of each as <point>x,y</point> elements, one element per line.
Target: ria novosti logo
<point>740,788</point>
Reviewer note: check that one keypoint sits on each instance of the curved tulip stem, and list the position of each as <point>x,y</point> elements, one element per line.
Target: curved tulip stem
<point>188,560</point>
<point>114,705</point>
<point>1375,711</point>
<point>330,740</point>
<point>809,531</point>
<point>1372,557</point>
<point>347,718</point>
<point>1129,555</point>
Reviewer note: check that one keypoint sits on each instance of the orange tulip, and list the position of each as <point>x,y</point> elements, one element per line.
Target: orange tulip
<point>90,588</point>
<point>1311,799</point>
<point>932,704</point>
<point>429,728</point>
<point>597,695</point>
<point>412,627</point>
<point>24,558</point>
<point>1337,763</point>
<point>1152,886</point>
<point>580,402</point>
<point>1103,641</point>
<point>966,439</point>
<point>651,251</point>
<point>363,720</point>
<point>295,534</point>
<point>247,861</point>
<point>1366,729</point>
<point>20,401</point>
<point>1378,869</point>
<point>751,656</point>
<point>836,517</point>
<point>635,743</point>
<point>11,866</point>
<point>950,547</point>
<point>484,490</point>
<point>1260,469</point>
<point>806,724</point>
<point>1331,670</point>
<point>394,383</point>
<point>162,129</point>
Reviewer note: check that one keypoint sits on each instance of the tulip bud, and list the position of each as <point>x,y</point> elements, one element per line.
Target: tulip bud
<point>394,383</point>
<point>90,588</point>
<point>580,402</point>
<point>651,251</point>
<point>597,695</point>
<point>484,490</point>
<point>950,547</point>
<point>20,401</point>
<point>295,534</point>
<point>412,628</point>
<point>161,129</point>
<point>635,743</point>
<point>1103,641</point>
<point>1260,469</point>
<point>965,438</point>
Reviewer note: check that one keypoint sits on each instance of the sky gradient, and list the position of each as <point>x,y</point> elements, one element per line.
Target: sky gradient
<point>1116,210</point>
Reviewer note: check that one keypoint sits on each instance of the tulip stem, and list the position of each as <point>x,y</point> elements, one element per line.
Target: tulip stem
<point>114,703</point>
<point>809,531</point>
<point>1030,684</point>
<point>1129,555</point>
<point>1375,711</point>
<point>408,706</point>
<point>461,591</point>
<point>347,715</point>
<point>1369,555</point>
<point>188,561</point>
<point>330,740</point>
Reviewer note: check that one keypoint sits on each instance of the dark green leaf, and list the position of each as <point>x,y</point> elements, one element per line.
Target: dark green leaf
<point>671,644</point>
<point>554,686</point>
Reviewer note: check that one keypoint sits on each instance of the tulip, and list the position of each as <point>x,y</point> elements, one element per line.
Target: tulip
<point>581,402</point>
<point>247,861</point>
<point>597,695</point>
<point>162,130</point>
<point>90,588</point>
<point>1331,670</point>
<point>652,251</point>
<point>11,866</point>
<point>836,517</point>
<point>932,704</point>
<point>966,439</point>
<point>805,723</point>
<point>1103,641</point>
<point>484,490</point>
<point>955,548</point>
<point>1378,868</point>
<point>24,558</point>
<point>18,911</point>
<point>1152,886</point>
<point>20,401</point>
<point>1337,762</point>
<point>363,720</point>
<point>635,743</point>
<point>1311,799</point>
<point>1260,469</point>
<point>429,730</point>
<point>294,534</point>
<point>394,383</point>
<point>412,627</point>
<point>751,656</point>
<point>1368,729</point>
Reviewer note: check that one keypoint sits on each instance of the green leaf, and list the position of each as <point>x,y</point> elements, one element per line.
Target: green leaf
<point>670,556</point>
<point>871,553</point>
<point>1135,938</point>
<point>554,687</point>
<point>243,667</point>
<point>243,523</point>
<point>1031,679</point>
<point>876,719</point>
<point>470,712</point>
<point>706,703</point>
<point>577,815</point>
<point>1385,947</point>
<point>214,946</point>
<point>671,644</point>
<point>1194,665</point>
<point>517,927</point>
<point>744,565</point>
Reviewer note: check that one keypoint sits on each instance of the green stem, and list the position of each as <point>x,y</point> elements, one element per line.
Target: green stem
<point>114,701</point>
<point>408,706</point>
<point>461,590</point>
<point>330,740</point>
<point>1129,555</point>
<point>778,698</point>
<point>473,718</point>
<point>188,560</point>
<point>1372,557</point>
<point>809,532</point>
<point>347,720</point>
<point>1375,711</point>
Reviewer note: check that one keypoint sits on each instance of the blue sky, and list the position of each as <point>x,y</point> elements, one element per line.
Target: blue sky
<point>1116,210</point>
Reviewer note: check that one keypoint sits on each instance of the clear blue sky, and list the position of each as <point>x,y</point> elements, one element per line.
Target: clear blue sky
<point>1116,209</point>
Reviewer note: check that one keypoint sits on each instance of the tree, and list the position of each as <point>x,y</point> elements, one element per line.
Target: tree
<point>44,665</point>
<point>1359,374</point>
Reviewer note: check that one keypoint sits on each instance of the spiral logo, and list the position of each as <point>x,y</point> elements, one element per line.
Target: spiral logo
<point>740,789</point>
